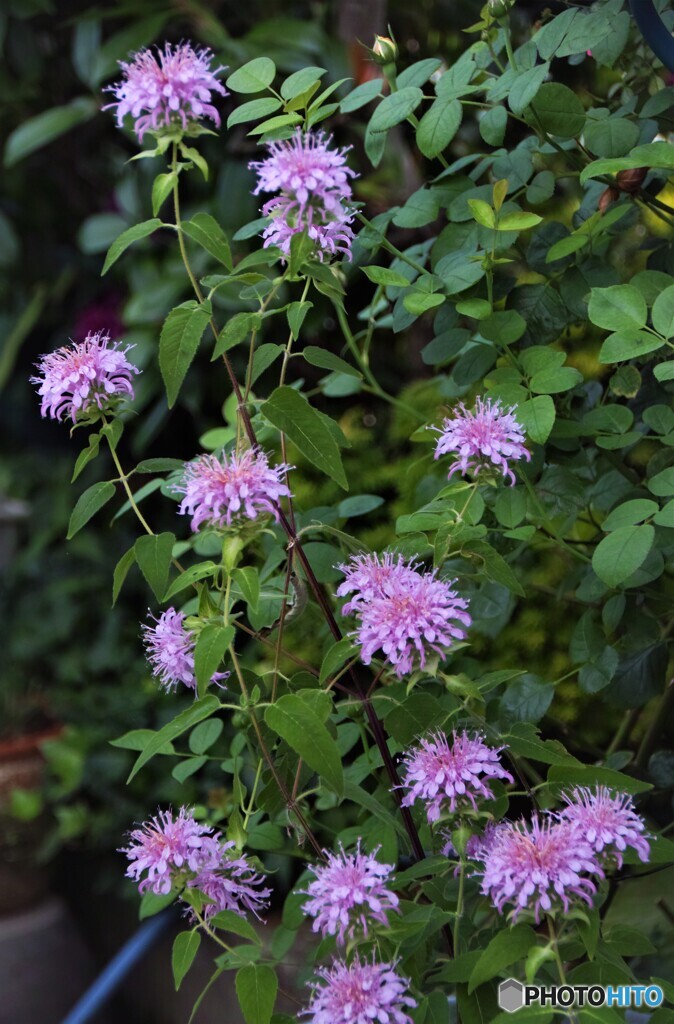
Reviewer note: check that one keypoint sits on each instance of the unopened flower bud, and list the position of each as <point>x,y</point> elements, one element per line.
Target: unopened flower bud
<point>608,196</point>
<point>385,50</point>
<point>631,180</point>
<point>499,8</point>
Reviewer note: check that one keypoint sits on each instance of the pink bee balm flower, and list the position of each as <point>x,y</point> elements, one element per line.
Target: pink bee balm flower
<point>349,893</point>
<point>538,867</point>
<point>170,89</point>
<point>608,821</point>
<point>313,180</point>
<point>230,883</point>
<point>164,847</point>
<point>403,612</point>
<point>450,779</point>
<point>170,651</point>
<point>91,374</point>
<point>488,436</point>
<point>219,491</point>
<point>361,992</point>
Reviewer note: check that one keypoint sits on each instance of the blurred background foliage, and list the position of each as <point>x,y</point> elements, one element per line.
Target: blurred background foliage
<point>68,191</point>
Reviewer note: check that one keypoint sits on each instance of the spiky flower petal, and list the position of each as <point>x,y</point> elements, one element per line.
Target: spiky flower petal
<point>487,436</point>
<point>169,647</point>
<point>165,846</point>
<point>362,992</point>
<point>608,821</point>
<point>231,883</point>
<point>403,612</point>
<point>171,87</point>
<point>538,867</point>
<point>315,193</point>
<point>349,894</point>
<point>220,491</point>
<point>445,778</point>
<point>88,375</point>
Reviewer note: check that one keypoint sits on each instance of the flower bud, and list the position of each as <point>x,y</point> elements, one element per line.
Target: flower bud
<point>499,8</point>
<point>631,180</point>
<point>460,837</point>
<point>385,50</point>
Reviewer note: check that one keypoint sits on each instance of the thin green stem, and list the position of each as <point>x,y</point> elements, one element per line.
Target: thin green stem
<point>459,906</point>
<point>125,484</point>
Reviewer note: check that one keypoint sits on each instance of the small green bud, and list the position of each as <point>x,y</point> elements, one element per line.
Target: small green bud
<point>499,8</point>
<point>384,51</point>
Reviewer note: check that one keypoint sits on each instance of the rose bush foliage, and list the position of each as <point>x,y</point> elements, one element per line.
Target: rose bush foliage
<point>445,840</point>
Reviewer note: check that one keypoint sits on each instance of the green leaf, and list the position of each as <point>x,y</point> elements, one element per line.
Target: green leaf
<point>504,949</point>
<point>664,371</point>
<point>526,87</point>
<point>204,735</point>
<point>559,111</point>
<point>206,231</point>
<point>252,110</point>
<point>493,125</point>
<point>248,582</point>
<point>537,416</point>
<point>187,767</point>
<point>88,504</point>
<point>419,72</point>
<point>414,716</point>
<point>290,412</point>
<point>304,732</point>
<point>654,154</point>
<point>611,137</point>
<point>589,775</point>
<point>617,308</point>
<point>361,95</point>
<point>418,302</point>
<point>185,948</point>
<point>45,127</point>
<point>254,76</point>
<point>196,713</point>
<point>482,212</point>
<point>620,554</point>
<point>121,572</point>
<point>159,465</point>
<point>228,921</point>
<point>235,330</point>
<point>86,456</point>
<point>212,642</point>
<point>438,126</point>
<point>138,739</point>
<point>256,986</point>
<point>386,277</point>
<point>335,658</point>
<point>296,314</point>
<point>358,505</point>
<point>152,904</point>
<point>629,513</point>
<point>300,81</point>
<point>555,380</point>
<point>193,575</point>
<point>662,484</point>
<point>395,108</point>
<point>519,220</point>
<point>628,344</point>
<point>162,186</point>
<point>127,238</point>
<point>153,555</point>
<point>663,313</point>
<point>178,343</point>
<point>328,361</point>
<point>274,123</point>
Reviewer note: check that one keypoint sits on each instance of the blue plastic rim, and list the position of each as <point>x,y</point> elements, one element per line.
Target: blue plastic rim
<point>654,31</point>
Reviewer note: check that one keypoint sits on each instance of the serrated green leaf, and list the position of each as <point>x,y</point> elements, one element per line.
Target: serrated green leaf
<point>212,642</point>
<point>206,232</point>
<point>196,713</point>
<point>256,986</point>
<point>121,572</point>
<point>178,343</point>
<point>127,238</point>
<point>153,555</point>
<point>328,361</point>
<point>304,732</point>
<point>185,948</point>
<point>88,504</point>
<point>291,413</point>
<point>505,948</point>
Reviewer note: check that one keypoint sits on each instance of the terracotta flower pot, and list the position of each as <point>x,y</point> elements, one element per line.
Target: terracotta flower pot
<point>22,881</point>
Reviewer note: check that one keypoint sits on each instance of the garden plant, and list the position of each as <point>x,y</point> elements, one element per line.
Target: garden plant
<point>372,726</point>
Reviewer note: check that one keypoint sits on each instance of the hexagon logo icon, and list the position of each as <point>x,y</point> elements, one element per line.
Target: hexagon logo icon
<point>510,995</point>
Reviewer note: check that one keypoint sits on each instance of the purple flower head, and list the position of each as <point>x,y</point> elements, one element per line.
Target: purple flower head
<point>608,821</point>
<point>401,611</point>
<point>220,491</point>
<point>538,867</point>
<point>164,847</point>
<point>315,193</point>
<point>81,377</point>
<point>488,436</point>
<point>230,883</point>
<point>169,649</point>
<point>349,893</point>
<point>361,992</point>
<point>450,779</point>
<point>171,88</point>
